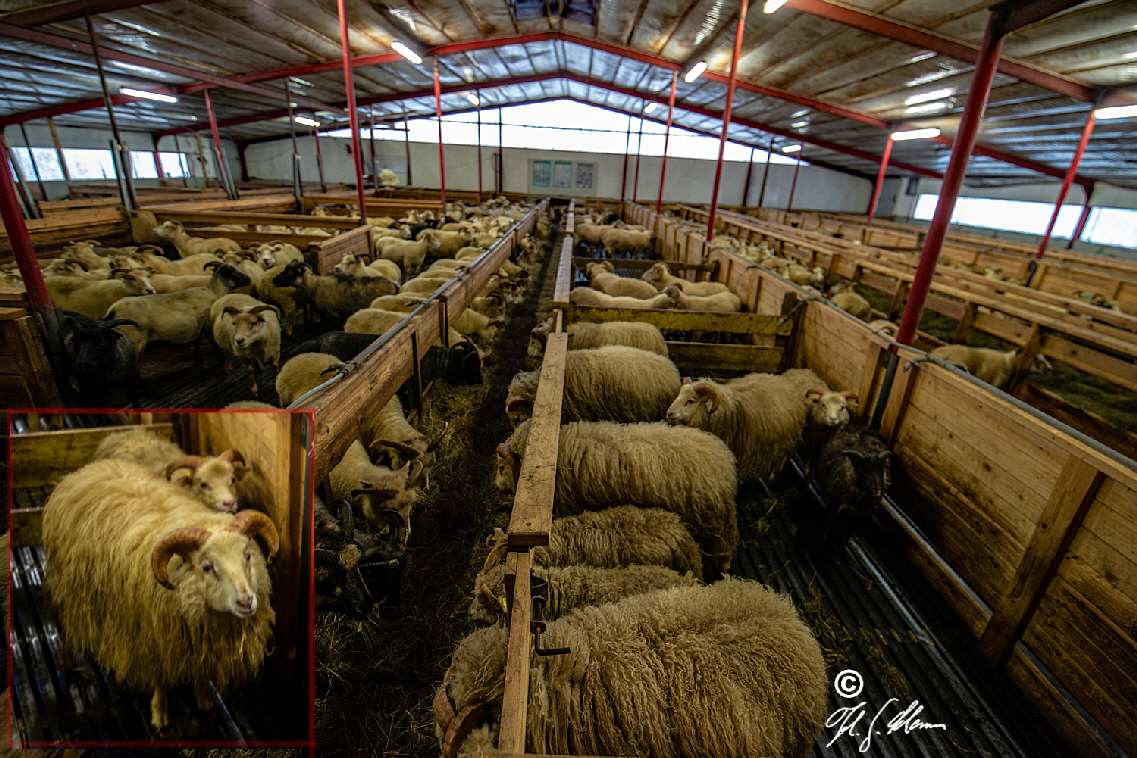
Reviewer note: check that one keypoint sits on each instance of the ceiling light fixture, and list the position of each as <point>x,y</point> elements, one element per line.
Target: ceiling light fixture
<point>473,99</point>
<point>938,94</point>
<point>306,121</point>
<point>791,148</point>
<point>1119,111</point>
<point>301,82</point>
<point>916,134</point>
<point>651,107</point>
<point>406,52</point>
<point>695,72</point>
<point>772,5</point>
<point>148,95</point>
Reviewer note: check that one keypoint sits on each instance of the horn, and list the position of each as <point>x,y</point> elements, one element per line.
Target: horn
<point>514,403</point>
<point>186,461</point>
<point>686,380</point>
<point>514,464</point>
<point>232,456</point>
<point>347,519</point>
<point>179,541</point>
<point>80,264</point>
<point>256,524</point>
<point>326,557</point>
<point>391,517</point>
<point>415,469</point>
<point>815,392</point>
<point>709,391</point>
<point>436,440</point>
<point>854,454</point>
<point>211,264</point>
<point>884,455</point>
<point>120,322</point>
<point>403,449</point>
<point>232,310</point>
<point>461,727</point>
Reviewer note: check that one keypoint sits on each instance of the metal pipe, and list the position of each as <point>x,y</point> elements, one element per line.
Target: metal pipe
<point>500,153</point>
<point>20,240</point>
<point>371,139</point>
<point>1087,130</point>
<point>793,182</point>
<point>639,151</point>
<point>407,146</point>
<point>627,152</point>
<point>765,174</point>
<point>297,182</point>
<point>59,154</point>
<point>479,96</point>
<point>1081,227</point>
<point>879,180</point>
<point>353,113</point>
<point>438,115</point>
<point>222,164</point>
<point>157,160</point>
<point>29,208</point>
<point>319,157</point>
<point>746,182</point>
<point>726,115</point>
<point>35,163</point>
<point>131,200</point>
<point>666,138</point>
<point>201,161</point>
<point>965,137</point>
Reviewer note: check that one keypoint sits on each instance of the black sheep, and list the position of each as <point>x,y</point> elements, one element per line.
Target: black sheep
<point>852,470</point>
<point>339,585</point>
<point>460,364</point>
<point>99,358</point>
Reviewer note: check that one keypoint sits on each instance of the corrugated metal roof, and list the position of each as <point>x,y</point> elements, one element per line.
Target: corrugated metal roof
<point>839,85</point>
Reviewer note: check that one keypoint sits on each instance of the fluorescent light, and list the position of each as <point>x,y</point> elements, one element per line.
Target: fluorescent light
<point>791,148</point>
<point>1120,111</point>
<point>306,121</point>
<point>405,51</point>
<point>298,80</point>
<point>292,105</point>
<point>928,107</point>
<point>695,72</point>
<point>799,124</point>
<point>916,134</point>
<point>473,98</point>
<point>148,95</point>
<point>772,5</point>
<point>938,94</point>
<point>651,107</point>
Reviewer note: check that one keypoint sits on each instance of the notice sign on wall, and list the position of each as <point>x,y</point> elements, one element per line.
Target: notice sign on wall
<point>562,174</point>
<point>584,173</point>
<point>542,173</point>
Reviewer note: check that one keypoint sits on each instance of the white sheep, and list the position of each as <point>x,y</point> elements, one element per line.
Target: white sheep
<point>612,383</point>
<point>187,245</point>
<point>92,298</point>
<point>885,327</point>
<point>590,297</point>
<point>303,373</point>
<point>992,366</point>
<point>156,589</point>
<point>828,412</point>
<point>603,464</point>
<point>276,253</point>
<point>388,178</point>
<point>250,330</point>
<point>585,336</point>
<point>659,277</point>
<point>603,278</point>
<point>625,241</point>
<point>361,265</point>
<point>723,302</point>
<point>409,255</point>
<point>392,442</point>
<point>373,489</point>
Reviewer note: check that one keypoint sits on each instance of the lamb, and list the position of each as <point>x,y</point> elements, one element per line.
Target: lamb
<point>178,317</point>
<point>659,277</point>
<point>388,178</point>
<point>803,276</point>
<point>93,298</point>
<point>723,302</point>
<point>718,671</point>
<point>852,470</point>
<point>374,489</point>
<point>210,479</point>
<point>603,278</point>
<point>760,417</point>
<point>590,297</point>
<point>303,373</point>
<point>620,242</point>
<point>992,366</point>
<point>249,331</point>
<point>191,591</point>
<point>275,253</point>
<point>591,234</point>
<point>409,255</point>
<point>603,464</point>
<point>828,411</point>
<point>613,383</point>
<point>334,295</point>
<point>584,336</point>
<point>885,327</point>
<point>187,245</point>
<point>360,265</point>
<point>845,297</point>
<point>99,358</point>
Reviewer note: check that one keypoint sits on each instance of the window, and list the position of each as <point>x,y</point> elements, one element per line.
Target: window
<point>1112,226</point>
<point>84,164</point>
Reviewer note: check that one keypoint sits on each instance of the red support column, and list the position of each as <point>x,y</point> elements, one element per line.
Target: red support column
<point>1087,130</point>
<point>352,112</point>
<point>984,74</point>
<point>726,116</point>
<point>19,238</point>
<point>438,115</point>
<point>627,152</point>
<point>639,151</point>
<point>879,179</point>
<point>479,96</point>
<point>222,164</point>
<point>319,159</point>
<point>793,182</point>
<point>666,139</point>
<point>1081,227</point>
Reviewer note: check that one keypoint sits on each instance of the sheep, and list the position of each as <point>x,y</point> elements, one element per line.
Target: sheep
<point>249,331</point>
<point>590,297</point>
<point>591,234</point>
<point>621,241</point>
<point>803,276</point>
<point>992,366</point>
<point>302,373</point>
<point>388,178</point>
<point>245,262</point>
<point>211,479</point>
<point>99,358</point>
<point>423,286</point>
<point>759,416</point>
<point>567,588</point>
<point>339,583</point>
<point>460,364</point>
<point>723,302</point>
<point>401,303</point>
<point>828,411</point>
<point>288,300</point>
<point>374,489</point>
<point>584,336</point>
<point>852,470</point>
<point>187,245</point>
<point>613,383</point>
<point>335,295</point>
<point>93,298</point>
<point>164,284</point>
<point>884,327</point>
<point>391,441</point>
<point>156,589</point>
<point>715,671</point>
<point>659,277</point>
<point>178,317</point>
<point>602,464</point>
<point>603,279</point>
<point>409,255</point>
<point>360,265</point>
<point>853,304</point>
<point>276,253</point>
<point>376,321</point>
<point>473,324</point>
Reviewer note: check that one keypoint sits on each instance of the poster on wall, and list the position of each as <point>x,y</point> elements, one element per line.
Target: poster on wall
<point>542,171</point>
<point>584,175</point>
<point>562,174</point>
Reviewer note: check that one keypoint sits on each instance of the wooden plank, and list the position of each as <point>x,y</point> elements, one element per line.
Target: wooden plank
<point>46,457</point>
<point>515,698</point>
<point>705,356</point>
<point>1060,520</point>
<point>1118,607</point>
<point>238,217</point>
<point>1121,372</point>
<point>329,252</point>
<point>532,517</point>
<point>564,272</point>
<point>1113,521</point>
<point>23,337</point>
<point>736,323</point>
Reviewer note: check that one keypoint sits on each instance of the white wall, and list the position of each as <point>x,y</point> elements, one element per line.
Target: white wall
<point>688,180</point>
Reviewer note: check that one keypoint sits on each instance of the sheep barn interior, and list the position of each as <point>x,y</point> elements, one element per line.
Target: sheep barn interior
<point>580,378</point>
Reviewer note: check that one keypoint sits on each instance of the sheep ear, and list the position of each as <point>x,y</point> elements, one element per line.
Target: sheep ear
<point>814,394</point>
<point>183,477</point>
<point>414,470</point>
<point>710,392</point>
<point>686,380</point>
<point>231,310</point>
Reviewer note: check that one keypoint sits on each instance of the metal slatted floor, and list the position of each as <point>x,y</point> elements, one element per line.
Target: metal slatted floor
<point>875,614</point>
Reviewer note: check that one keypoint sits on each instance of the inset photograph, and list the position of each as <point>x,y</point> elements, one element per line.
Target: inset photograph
<point>160,579</point>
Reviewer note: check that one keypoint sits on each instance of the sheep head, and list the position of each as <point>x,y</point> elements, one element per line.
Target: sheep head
<point>136,280</point>
<point>657,275</point>
<point>831,408</point>
<point>251,325</point>
<point>293,273</point>
<point>517,409</point>
<point>508,469</point>
<point>211,480</point>
<point>94,346</point>
<point>694,404</point>
<point>339,584</point>
<point>386,489</point>
<point>223,569</point>
<point>872,471</point>
<point>169,229</point>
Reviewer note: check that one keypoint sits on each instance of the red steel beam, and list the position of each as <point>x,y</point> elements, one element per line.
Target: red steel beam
<point>222,164</point>
<point>793,182</point>
<point>438,115</point>
<point>52,14</point>
<point>1087,130</point>
<point>639,152</point>
<point>627,152</point>
<point>919,38</point>
<point>879,181</point>
<point>731,82</point>
<point>353,112</point>
<point>1081,227</point>
<point>19,238</point>
<point>666,139</point>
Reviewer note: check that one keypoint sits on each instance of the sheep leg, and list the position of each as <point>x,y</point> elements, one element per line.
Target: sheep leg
<point>252,376</point>
<point>159,709</point>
